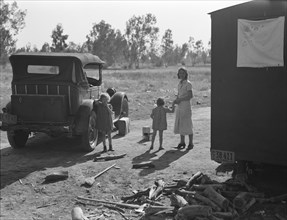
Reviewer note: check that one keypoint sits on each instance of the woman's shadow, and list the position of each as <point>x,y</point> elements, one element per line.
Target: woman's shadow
<point>161,162</point>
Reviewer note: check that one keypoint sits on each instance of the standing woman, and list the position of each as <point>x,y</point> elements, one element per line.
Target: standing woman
<point>183,122</point>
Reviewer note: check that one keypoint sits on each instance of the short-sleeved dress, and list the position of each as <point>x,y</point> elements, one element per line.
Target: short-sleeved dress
<point>183,122</point>
<point>104,121</point>
<point>159,117</point>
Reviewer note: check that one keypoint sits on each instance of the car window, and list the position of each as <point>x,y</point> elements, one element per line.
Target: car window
<point>41,69</point>
<point>92,71</point>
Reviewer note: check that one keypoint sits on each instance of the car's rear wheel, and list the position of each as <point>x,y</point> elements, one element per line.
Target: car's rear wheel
<point>17,138</point>
<point>90,136</point>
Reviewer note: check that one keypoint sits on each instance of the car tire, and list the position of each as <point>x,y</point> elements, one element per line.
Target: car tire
<point>125,108</point>
<point>90,136</point>
<point>17,138</point>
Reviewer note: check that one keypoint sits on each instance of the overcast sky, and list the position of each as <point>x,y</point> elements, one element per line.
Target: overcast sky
<point>186,19</point>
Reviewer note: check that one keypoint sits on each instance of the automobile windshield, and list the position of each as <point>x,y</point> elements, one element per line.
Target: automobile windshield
<point>92,71</point>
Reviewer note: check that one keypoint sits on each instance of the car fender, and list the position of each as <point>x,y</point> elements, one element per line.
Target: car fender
<point>116,102</point>
<point>82,116</point>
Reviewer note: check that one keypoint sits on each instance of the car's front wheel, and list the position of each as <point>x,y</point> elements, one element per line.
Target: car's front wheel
<point>90,136</point>
<point>17,138</point>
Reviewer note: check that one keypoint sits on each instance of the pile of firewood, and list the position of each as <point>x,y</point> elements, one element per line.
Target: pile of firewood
<point>197,198</point>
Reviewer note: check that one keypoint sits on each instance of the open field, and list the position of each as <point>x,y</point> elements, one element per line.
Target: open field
<point>142,86</point>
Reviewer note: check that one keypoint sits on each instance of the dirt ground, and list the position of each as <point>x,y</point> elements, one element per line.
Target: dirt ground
<point>26,195</point>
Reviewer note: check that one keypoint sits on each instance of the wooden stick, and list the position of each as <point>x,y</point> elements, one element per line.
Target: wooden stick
<point>243,197</point>
<point>212,217</point>
<point>280,217</point>
<point>152,202</point>
<point>123,216</point>
<point>110,157</point>
<point>229,194</point>
<point>223,215</point>
<point>248,205</point>
<point>177,201</point>
<point>46,205</point>
<point>204,179</point>
<point>168,191</point>
<point>90,180</point>
<point>158,190</point>
<point>124,205</point>
<point>233,211</point>
<point>273,199</point>
<point>154,210</point>
<point>193,179</point>
<point>113,207</point>
<point>202,187</point>
<point>207,201</point>
<point>278,198</point>
<point>214,196</point>
<point>137,195</point>
<point>191,211</point>
<point>183,192</point>
<point>180,182</point>
<point>151,191</point>
<point>240,200</point>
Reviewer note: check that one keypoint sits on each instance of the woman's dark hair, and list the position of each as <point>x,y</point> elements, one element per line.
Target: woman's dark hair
<point>111,91</point>
<point>160,102</point>
<point>184,70</point>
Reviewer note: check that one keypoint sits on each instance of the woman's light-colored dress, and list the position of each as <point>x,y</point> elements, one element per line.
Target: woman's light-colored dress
<point>183,123</point>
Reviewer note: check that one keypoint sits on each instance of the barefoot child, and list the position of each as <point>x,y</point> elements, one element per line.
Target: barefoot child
<point>159,122</point>
<point>104,120</point>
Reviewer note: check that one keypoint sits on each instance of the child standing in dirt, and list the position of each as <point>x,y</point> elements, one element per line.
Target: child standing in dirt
<point>104,122</point>
<point>159,122</point>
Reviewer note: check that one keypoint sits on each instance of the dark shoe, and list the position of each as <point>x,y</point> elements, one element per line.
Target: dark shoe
<point>161,148</point>
<point>190,147</point>
<point>105,149</point>
<point>111,148</point>
<point>180,146</point>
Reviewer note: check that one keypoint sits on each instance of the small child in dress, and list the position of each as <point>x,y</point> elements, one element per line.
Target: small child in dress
<point>104,122</point>
<point>159,122</point>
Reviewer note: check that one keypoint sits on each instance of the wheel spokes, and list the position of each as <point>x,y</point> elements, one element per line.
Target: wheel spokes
<point>92,131</point>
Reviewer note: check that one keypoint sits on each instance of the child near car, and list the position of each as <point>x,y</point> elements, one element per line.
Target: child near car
<point>104,122</point>
<point>159,122</point>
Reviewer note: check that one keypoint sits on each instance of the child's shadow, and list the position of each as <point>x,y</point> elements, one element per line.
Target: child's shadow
<point>146,156</point>
<point>163,161</point>
<point>144,140</point>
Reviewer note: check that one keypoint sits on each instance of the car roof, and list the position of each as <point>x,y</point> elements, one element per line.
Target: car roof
<point>84,58</point>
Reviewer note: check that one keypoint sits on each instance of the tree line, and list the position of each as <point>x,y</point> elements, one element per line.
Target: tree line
<point>138,45</point>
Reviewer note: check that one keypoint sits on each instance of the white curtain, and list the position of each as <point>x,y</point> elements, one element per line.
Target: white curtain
<point>260,43</point>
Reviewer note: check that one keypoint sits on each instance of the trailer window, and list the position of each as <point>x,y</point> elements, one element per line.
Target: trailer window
<point>39,69</point>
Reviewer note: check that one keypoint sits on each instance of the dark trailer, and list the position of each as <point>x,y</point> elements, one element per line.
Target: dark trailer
<point>249,83</point>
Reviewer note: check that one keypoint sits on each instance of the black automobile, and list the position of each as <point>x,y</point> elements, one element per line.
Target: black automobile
<point>55,93</point>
